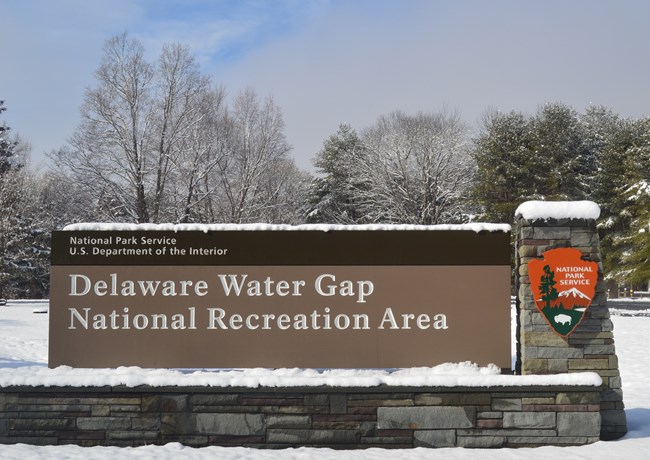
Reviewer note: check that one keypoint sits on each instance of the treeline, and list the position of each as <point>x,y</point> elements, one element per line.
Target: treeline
<point>429,168</point>
<point>160,142</point>
<point>559,154</point>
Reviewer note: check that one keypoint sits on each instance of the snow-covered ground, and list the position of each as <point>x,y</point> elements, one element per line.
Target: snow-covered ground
<point>23,344</point>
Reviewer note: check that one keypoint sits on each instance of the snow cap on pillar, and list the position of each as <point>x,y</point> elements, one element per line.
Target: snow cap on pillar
<point>543,210</point>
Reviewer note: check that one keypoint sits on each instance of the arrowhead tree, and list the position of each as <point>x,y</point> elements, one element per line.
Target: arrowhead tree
<point>547,286</point>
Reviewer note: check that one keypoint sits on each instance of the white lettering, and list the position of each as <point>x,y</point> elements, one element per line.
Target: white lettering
<point>359,319</point>
<point>440,321</point>
<point>99,322</point>
<point>148,287</point>
<point>249,321</point>
<point>232,285</point>
<point>140,321</point>
<point>341,321</point>
<point>284,322</point>
<point>214,321</point>
<point>73,285</point>
<point>388,317</point>
<point>423,321</point>
<point>83,320</point>
<point>346,288</point>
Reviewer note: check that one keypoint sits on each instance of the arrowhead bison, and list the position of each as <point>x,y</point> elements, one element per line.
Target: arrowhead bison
<point>562,319</point>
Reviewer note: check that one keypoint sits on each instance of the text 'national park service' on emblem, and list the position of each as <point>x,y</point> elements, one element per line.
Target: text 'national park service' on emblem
<point>563,287</point>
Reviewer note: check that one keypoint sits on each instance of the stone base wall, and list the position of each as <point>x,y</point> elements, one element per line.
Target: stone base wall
<point>591,347</point>
<point>397,417</point>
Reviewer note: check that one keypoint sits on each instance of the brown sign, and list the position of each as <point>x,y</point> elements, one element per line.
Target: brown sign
<point>340,299</point>
<point>563,285</point>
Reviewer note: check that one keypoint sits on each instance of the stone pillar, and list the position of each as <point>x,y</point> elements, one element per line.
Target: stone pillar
<point>590,347</point>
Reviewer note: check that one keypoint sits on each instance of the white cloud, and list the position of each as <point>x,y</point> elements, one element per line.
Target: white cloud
<point>206,39</point>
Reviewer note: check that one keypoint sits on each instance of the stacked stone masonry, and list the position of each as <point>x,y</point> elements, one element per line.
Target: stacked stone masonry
<point>590,348</point>
<point>278,418</point>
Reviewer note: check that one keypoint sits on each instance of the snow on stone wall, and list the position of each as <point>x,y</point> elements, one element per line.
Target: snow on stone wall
<point>445,375</point>
<point>536,210</point>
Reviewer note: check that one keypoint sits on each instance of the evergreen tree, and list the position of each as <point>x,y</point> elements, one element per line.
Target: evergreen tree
<point>26,259</point>
<point>547,286</point>
<point>7,148</point>
<point>638,257</point>
<point>12,225</point>
<point>7,197</point>
<point>563,163</point>
<point>503,155</point>
<point>332,195</point>
<point>608,137</point>
<point>617,172</point>
<point>634,240</point>
<point>553,155</point>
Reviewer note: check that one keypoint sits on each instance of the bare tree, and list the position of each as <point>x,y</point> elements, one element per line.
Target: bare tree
<point>179,112</point>
<point>109,150</point>
<point>205,145</point>
<point>285,188</point>
<point>157,143</point>
<point>414,169</point>
<point>135,128</point>
<point>257,149</point>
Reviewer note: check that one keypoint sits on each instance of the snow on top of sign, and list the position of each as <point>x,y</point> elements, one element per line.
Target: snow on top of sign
<point>534,210</point>
<point>445,375</point>
<point>98,226</point>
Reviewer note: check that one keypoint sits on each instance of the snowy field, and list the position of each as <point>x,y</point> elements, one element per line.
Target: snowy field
<point>23,343</point>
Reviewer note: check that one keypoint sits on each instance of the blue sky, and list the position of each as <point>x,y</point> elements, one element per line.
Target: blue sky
<point>332,61</point>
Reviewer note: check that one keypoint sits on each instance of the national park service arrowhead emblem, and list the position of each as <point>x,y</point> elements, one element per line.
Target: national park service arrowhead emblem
<point>563,287</point>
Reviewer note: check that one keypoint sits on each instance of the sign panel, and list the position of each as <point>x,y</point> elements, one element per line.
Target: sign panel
<point>563,286</point>
<point>231,299</point>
